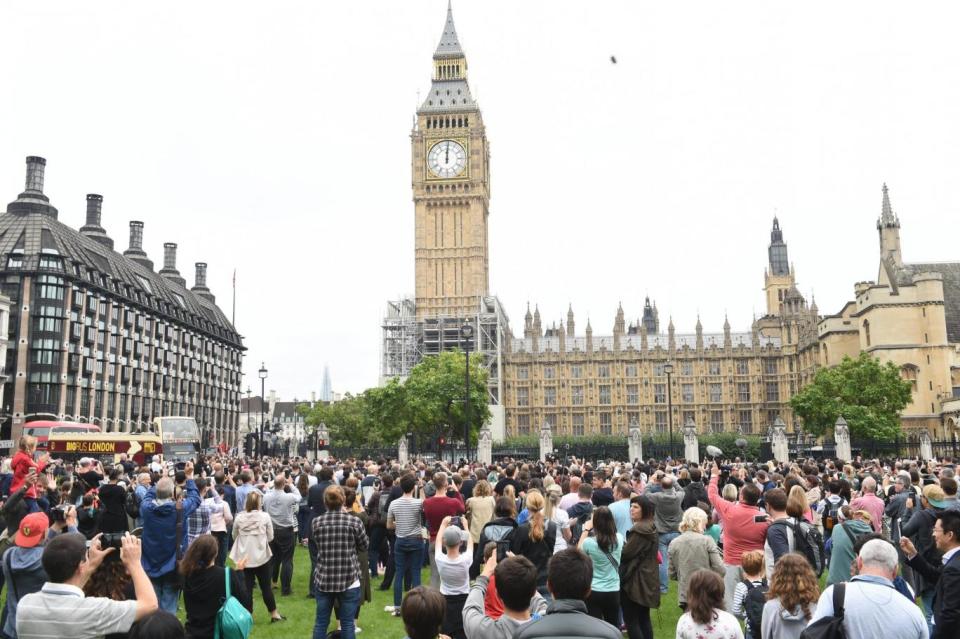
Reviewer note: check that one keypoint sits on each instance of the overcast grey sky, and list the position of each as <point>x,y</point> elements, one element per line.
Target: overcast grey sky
<point>273,137</point>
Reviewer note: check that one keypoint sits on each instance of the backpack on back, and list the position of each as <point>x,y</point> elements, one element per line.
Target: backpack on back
<point>832,516</point>
<point>808,541</point>
<point>233,620</point>
<point>753,605</point>
<point>132,504</point>
<point>829,627</point>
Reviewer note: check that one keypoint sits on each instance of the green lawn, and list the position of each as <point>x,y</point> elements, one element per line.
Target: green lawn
<point>377,624</point>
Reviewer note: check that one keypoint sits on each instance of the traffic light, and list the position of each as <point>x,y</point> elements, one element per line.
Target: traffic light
<point>442,441</point>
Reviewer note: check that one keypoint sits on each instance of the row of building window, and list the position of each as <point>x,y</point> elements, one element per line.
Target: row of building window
<point>771,366</point>
<point>687,393</point>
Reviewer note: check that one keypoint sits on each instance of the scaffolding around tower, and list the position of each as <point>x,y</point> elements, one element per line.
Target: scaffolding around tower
<point>407,340</point>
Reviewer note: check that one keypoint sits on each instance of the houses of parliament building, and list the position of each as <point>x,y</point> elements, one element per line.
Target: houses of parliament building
<point>583,383</point>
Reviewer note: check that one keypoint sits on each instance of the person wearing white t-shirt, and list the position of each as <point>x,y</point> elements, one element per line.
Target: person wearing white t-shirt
<point>553,512</point>
<point>454,570</point>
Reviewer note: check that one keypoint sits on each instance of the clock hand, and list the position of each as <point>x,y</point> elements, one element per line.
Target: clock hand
<point>446,156</point>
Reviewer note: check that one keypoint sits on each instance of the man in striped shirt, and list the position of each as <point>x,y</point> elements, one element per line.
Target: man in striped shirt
<point>405,517</point>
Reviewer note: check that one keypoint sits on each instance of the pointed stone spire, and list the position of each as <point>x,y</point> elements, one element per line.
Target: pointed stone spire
<point>699,334</point>
<point>727,340</point>
<point>570,324</point>
<point>671,337</point>
<point>562,339</point>
<point>887,217</point>
<point>537,329</point>
<point>589,337</point>
<point>889,228</point>
<point>619,326</point>
<point>449,42</point>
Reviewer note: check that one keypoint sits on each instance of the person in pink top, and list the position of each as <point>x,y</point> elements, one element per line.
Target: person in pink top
<point>869,502</point>
<point>744,529</point>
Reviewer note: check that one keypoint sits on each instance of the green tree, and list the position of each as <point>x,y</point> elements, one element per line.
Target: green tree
<point>347,421</point>
<point>434,397</point>
<point>387,410</point>
<point>868,394</point>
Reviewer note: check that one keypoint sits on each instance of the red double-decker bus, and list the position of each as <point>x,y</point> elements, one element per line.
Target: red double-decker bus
<point>42,429</point>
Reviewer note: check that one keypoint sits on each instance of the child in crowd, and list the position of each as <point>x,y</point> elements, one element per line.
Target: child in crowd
<point>754,577</point>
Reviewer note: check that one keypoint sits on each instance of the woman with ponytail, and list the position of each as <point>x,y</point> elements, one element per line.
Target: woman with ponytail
<point>204,586</point>
<point>536,539</point>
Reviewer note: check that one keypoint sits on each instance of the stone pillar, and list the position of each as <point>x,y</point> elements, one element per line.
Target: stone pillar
<point>778,441</point>
<point>635,441</point>
<point>841,434</point>
<point>546,441</point>
<point>403,451</point>
<point>691,447</point>
<point>926,446</point>
<point>324,435</point>
<point>485,446</point>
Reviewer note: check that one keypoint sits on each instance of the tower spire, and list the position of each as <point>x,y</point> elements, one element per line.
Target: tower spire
<point>449,42</point>
<point>887,218</point>
<point>889,228</point>
<point>777,251</point>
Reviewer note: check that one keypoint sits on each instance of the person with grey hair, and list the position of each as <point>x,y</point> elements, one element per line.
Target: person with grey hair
<point>872,606</point>
<point>165,535</point>
<point>668,513</point>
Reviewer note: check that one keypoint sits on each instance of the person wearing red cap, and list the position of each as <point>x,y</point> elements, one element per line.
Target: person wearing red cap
<point>22,566</point>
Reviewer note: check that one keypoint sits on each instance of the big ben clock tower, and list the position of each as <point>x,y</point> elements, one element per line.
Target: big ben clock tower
<point>451,190</point>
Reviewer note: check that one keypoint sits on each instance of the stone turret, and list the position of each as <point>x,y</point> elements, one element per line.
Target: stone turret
<point>699,335</point>
<point>570,324</point>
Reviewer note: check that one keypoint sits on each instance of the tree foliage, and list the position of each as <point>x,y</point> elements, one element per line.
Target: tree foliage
<point>869,395</point>
<point>429,404</point>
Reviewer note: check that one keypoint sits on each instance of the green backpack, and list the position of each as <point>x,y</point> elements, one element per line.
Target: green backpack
<point>233,620</point>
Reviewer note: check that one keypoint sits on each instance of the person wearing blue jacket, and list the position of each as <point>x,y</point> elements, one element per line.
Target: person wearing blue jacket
<point>164,540</point>
<point>22,569</point>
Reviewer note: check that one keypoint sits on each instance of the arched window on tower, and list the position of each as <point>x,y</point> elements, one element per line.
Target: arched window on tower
<point>466,121</point>
<point>866,331</point>
<point>460,122</point>
<point>909,373</point>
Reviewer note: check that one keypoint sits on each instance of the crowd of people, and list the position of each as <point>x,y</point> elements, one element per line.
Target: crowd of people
<point>526,549</point>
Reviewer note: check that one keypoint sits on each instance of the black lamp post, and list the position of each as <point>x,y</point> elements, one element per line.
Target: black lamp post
<point>668,369</point>
<point>263,413</point>
<point>466,332</point>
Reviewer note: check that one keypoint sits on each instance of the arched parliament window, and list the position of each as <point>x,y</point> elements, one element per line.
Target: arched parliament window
<point>866,331</point>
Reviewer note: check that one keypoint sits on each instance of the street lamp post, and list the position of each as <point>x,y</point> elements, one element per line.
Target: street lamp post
<point>263,414</point>
<point>466,332</point>
<point>248,414</point>
<point>668,369</point>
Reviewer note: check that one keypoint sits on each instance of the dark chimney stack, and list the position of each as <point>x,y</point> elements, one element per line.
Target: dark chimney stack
<point>32,200</point>
<point>169,256</point>
<point>201,278</point>
<point>136,252</point>
<point>169,269</point>
<point>92,228</point>
<point>35,169</point>
<point>94,209</point>
<point>136,235</point>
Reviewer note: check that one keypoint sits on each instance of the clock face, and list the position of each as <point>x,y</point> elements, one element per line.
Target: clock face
<point>447,159</point>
